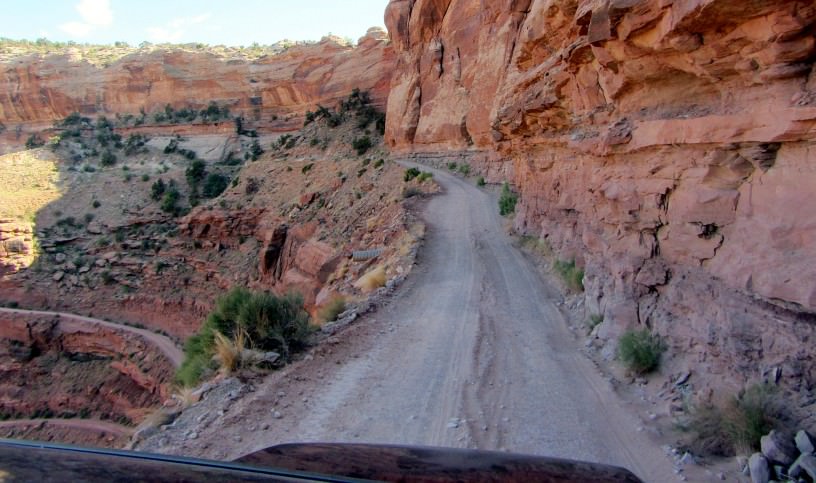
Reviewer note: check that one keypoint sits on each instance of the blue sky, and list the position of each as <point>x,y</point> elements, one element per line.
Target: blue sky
<point>232,23</point>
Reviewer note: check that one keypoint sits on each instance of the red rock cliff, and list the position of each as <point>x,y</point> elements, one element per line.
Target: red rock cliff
<point>35,91</point>
<point>667,145</point>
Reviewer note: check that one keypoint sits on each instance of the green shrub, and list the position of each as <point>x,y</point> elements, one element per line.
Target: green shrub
<point>362,145</point>
<point>424,176</point>
<point>572,276</point>
<point>135,144</point>
<point>464,169</point>
<point>594,320</point>
<point>411,173</point>
<point>96,204</point>
<point>480,182</point>
<point>145,178</point>
<point>379,164</point>
<point>307,168</point>
<point>171,147</point>
<point>170,201</point>
<point>214,185</point>
<point>34,141</point>
<point>640,350</point>
<point>452,166</point>
<point>157,189</point>
<point>271,323</point>
<point>256,150</point>
<point>507,201</point>
<point>738,426</point>
<point>108,159</point>
<point>195,172</point>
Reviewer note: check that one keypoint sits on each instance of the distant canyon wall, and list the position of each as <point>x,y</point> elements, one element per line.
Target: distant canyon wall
<point>272,92</point>
<point>665,145</point>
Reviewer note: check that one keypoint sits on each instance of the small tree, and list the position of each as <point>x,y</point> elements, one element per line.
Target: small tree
<point>108,158</point>
<point>196,172</point>
<point>214,185</point>
<point>157,189</point>
<point>362,145</point>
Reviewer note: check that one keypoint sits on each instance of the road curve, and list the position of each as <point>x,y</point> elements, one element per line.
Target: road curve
<point>471,353</point>
<point>163,343</point>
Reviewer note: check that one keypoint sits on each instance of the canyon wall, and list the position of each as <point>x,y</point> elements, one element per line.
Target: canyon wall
<point>665,145</point>
<point>273,92</point>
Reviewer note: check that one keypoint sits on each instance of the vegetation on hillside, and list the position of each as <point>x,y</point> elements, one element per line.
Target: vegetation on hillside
<point>265,322</point>
<point>105,55</point>
<point>640,350</point>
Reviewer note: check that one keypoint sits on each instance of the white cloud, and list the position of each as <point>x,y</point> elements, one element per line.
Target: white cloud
<point>163,35</point>
<point>76,29</point>
<point>174,30</point>
<point>94,13</point>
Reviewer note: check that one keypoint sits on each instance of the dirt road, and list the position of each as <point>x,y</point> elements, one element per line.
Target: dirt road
<point>163,343</point>
<point>78,424</point>
<point>471,353</point>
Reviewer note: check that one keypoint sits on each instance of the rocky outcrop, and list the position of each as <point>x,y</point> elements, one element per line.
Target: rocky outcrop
<point>667,146</point>
<point>273,92</point>
<point>52,366</point>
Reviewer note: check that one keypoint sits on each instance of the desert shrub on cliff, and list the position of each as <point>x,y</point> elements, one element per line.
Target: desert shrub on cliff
<point>108,159</point>
<point>332,309</point>
<point>507,201</point>
<point>214,185</point>
<point>157,189</point>
<point>362,145</point>
<point>34,141</point>
<point>169,203</point>
<point>640,350</point>
<point>570,273</point>
<point>372,280</point>
<point>736,427</point>
<point>410,174</point>
<point>269,322</point>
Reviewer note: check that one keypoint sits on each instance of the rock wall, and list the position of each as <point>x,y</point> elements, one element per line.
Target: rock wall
<point>666,145</point>
<point>54,367</point>
<point>35,91</point>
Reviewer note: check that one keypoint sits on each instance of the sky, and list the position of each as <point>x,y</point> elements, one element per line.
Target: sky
<point>232,23</point>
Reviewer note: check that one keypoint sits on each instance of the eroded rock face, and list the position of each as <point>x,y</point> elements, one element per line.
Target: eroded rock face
<point>272,92</point>
<point>666,146</point>
<point>53,367</point>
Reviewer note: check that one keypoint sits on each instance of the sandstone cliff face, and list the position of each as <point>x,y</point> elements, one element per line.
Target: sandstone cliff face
<point>668,146</point>
<point>67,368</point>
<point>36,91</point>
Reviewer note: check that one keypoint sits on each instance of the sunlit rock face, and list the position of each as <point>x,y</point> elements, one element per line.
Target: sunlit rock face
<point>272,92</point>
<point>666,146</point>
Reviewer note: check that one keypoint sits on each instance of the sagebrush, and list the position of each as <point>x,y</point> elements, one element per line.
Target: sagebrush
<point>640,350</point>
<point>268,322</point>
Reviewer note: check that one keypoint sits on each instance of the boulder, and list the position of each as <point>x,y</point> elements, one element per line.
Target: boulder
<point>778,448</point>
<point>804,442</point>
<point>805,463</point>
<point>760,471</point>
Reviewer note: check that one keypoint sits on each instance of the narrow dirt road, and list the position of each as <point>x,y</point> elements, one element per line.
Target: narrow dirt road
<point>80,424</point>
<point>163,343</point>
<point>471,353</point>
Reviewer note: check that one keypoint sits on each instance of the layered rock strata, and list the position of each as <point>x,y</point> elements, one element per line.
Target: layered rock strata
<point>666,146</point>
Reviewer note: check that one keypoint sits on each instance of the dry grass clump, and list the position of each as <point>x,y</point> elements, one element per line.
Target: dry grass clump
<point>228,351</point>
<point>372,280</point>
<point>736,428</point>
<point>331,310</point>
